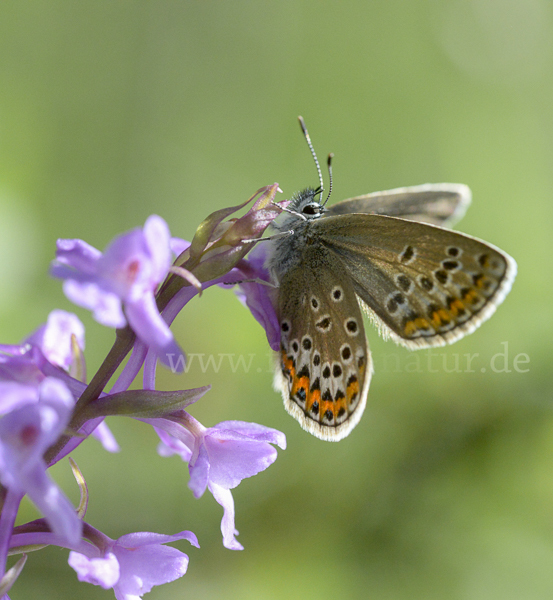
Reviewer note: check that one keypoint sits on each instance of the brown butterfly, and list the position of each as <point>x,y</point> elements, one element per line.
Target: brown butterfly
<point>391,254</point>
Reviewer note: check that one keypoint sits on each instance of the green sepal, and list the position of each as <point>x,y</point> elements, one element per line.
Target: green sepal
<point>144,404</point>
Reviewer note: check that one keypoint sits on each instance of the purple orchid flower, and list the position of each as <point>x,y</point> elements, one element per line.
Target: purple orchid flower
<point>118,286</point>
<point>59,341</point>
<point>54,338</point>
<point>53,343</point>
<point>133,564</point>
<point>25,433</point>
<point>219,458</point>
<point>41,379</point>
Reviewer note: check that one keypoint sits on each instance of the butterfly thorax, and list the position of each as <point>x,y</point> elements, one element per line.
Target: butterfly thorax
<point>286,252</point>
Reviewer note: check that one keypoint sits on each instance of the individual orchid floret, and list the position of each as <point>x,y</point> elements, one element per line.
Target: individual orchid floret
<point>25,434</point>
<point>59,342</point>
<point>220,457</point>
<point>119,285</point>
<point>133,564</point>
<point>61,339</point>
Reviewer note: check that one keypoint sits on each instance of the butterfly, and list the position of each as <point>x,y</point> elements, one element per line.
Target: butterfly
<point>389,253</point>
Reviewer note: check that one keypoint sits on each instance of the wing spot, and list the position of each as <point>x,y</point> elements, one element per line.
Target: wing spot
<point>316,386</point>
<point>453,251</point>
<point>456,307</point>
<point>314,303</point>
<point>316,359</point>
<point>451,265</point>
<point>336,370</point>
<point>470,295</point>
<point>324,324</point>
<point>351,326</point>
<point>326,371</point>
<point>407,255</point>
<point>441,276</point>
<point>484,260</point>
<point>399,298</point>
<point>426,283</point>
<point>404,282</point>
<point>410,329</point>
<point>482,282</point>
<point>327,395</point>
<point>304,372</point>
<point>306,343</point>
<point>432,308</point>
<point>337,294</point>
<point>345,352</point>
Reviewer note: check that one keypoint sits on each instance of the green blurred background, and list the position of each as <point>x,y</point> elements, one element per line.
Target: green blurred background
<point>112,111</point>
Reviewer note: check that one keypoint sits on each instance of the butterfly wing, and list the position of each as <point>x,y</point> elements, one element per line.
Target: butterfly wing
<point>424,285</point>
<point>325,365</point>
<point>440,204</point>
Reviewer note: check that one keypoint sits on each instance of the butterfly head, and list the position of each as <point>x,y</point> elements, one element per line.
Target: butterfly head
<point>306,204</point>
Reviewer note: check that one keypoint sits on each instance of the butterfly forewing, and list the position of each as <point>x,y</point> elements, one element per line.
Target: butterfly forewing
<point>436,203</point>
<point>325,366</point>
<point>427,285</point>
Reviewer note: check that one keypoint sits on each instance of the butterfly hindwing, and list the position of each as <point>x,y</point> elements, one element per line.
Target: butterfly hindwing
<point>429,286</point>
<point>325,366</point>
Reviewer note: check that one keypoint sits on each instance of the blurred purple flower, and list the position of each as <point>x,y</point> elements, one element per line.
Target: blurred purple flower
<point>52,342</point>
<point>124,277</point>
<point>35,423</point>
<point>134,564</point>
<point>54,338</point>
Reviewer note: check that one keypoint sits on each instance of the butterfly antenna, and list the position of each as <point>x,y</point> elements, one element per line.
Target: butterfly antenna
<point>329,164</point>
<point>308,139</point>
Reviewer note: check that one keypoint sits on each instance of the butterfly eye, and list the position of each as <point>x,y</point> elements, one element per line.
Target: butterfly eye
<point>312,209</point>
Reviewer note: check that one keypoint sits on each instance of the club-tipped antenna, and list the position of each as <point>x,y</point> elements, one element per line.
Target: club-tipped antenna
<point>329,164</point>
<point>309,143</point>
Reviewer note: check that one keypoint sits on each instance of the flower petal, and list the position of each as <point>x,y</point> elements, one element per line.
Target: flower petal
<point>98,571</point>
<point>150,327</point>
<point>199,472</point>
<point>106,306</point>
<point>253,431</point>
<point>143,566</point>
<point>158,240</point>
<point>54,337</point>
<point>77,254</point>
<point>224,498</point>
<point>231,461</point>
